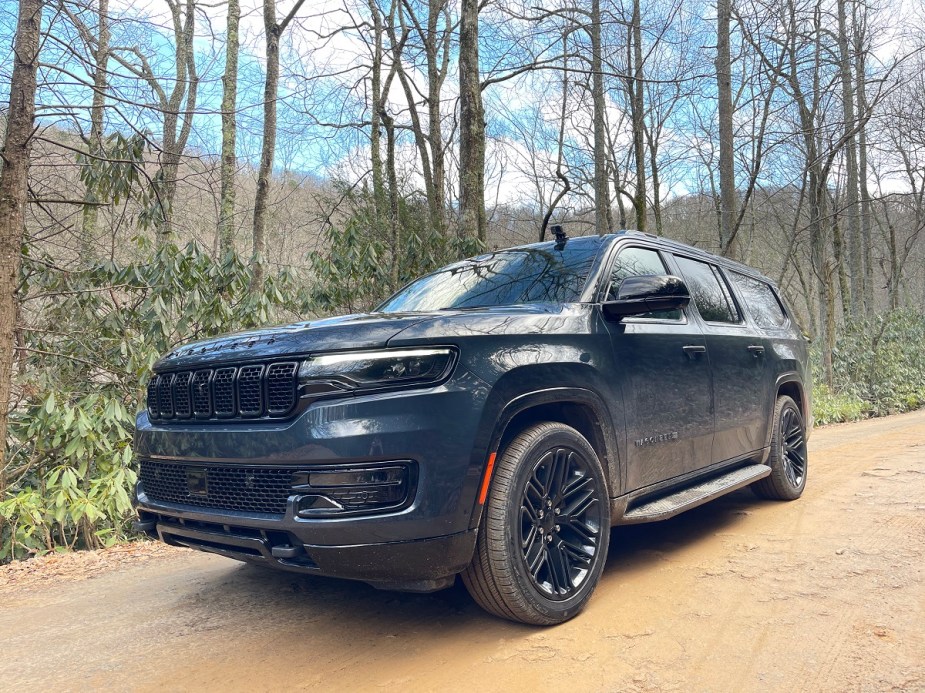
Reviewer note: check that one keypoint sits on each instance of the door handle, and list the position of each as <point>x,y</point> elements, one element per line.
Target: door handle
<point>756,349</point>
<point>693,349</point>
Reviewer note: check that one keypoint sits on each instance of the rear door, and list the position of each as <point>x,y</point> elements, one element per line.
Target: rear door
<point>737,358</point>
<point>665,376</point>
<point>773,331</point>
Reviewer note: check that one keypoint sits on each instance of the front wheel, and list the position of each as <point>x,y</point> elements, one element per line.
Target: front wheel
<point>545,529</point>
<point>788,458</point>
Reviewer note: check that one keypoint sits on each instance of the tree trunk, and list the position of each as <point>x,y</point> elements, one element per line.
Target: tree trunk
<point>13,197</point>
<point>838,247</point>
<point>853,229</point>
<point>229,131</point>
<point>176,135</point>
<point>638,113</point>
<point>728,202</point>
<point>656,181</point>
<point>602,221</point>
<point>894,269</point>
<point>394,228</point>
<point>268,148</point>
<point>823,270</point>
<point>274,32</point>
<point>471,125</point>
<point>375,130</point>
<point>436,73</point>
<point>860,76</point>
<point>95,143</point>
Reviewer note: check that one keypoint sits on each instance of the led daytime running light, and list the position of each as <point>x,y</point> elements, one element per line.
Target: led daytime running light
<point>349,357</point>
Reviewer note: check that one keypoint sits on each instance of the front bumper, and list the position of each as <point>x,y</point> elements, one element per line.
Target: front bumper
<point>417,565</point>
<point>427,539</point>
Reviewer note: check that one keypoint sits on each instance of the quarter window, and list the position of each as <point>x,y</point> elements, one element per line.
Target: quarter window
<point>709,291</point>
<point>760,301</point>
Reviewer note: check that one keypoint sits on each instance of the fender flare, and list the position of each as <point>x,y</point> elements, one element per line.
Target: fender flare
<point>804,404</point>
<point>602,422</point>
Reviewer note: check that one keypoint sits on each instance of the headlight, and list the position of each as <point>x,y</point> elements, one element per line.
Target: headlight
<point>372,370</point>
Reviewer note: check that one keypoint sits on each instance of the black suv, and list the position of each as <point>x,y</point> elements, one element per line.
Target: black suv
<point>494,418</point>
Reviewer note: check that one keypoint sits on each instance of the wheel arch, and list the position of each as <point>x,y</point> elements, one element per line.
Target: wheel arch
<point>581,408</point>
<point>791,385</point>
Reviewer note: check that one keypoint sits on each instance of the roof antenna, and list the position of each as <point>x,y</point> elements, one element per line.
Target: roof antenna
<point>560,234</point>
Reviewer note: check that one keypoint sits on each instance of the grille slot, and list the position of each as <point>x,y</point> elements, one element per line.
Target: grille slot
<point>182,407</point>
<point>164,395</point>
<point>202,394</point>
<point>281,387</point>
<point>223,392</point>
<point>249,391</point>
<point>152,395</point>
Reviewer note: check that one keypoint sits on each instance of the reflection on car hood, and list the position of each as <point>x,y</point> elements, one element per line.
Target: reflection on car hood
<point>522,320</point>
<point>368,330</point>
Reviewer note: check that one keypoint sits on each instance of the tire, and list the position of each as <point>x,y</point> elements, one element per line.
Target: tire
<point>788,458</point>
<point>545,528</point>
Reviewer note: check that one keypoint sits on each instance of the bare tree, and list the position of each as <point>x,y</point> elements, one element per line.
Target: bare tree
<point>100,53</point>
<point>471,125</point>
<point>14,178</point>
<point>603,223</point>
<point>861,48</point>
<point>727,182</point>
<point>229,130</point>
<point>637,103</point>
<point>273,32</point>
<point>850,211</point>
<point>176,107</point>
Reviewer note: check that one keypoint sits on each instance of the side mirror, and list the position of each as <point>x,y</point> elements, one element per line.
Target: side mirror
<point>647,294</point>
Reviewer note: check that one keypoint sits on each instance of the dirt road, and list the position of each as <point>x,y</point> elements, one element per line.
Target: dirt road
<point>826,593</point>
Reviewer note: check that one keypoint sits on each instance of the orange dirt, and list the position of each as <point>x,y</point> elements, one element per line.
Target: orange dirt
<point>825,593</point>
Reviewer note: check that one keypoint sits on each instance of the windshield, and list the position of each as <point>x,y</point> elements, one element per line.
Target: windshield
<point>534,274</point>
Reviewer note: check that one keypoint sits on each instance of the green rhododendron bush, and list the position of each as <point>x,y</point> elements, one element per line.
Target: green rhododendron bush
<point>94,337</point>
<point>879,368</point>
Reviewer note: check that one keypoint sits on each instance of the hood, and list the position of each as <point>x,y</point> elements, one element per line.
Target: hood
<point>494,321</point>
<point>362,331</point>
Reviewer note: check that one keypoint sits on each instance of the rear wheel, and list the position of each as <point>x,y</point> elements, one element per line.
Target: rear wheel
<point>788,458</point>
<point>545,528</point>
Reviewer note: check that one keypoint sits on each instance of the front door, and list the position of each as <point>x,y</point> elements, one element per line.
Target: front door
<point>666,383</point>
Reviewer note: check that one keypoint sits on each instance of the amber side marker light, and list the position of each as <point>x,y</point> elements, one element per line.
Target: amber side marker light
<point>483,494</point>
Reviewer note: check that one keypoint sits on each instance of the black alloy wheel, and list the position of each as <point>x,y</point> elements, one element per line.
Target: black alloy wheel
<point>545,528</point>
<point>793,441</point>
<point>559,524</point>
<point>789,457</point>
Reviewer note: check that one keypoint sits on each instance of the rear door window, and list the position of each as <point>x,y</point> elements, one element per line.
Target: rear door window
<point>709,291</point>
<point>760,301</point>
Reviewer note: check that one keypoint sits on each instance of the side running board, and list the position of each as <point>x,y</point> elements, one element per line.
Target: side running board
<point>668,506</point>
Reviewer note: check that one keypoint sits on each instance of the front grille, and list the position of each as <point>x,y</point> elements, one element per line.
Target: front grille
<point>250,391</point>
<point>246,489</point>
